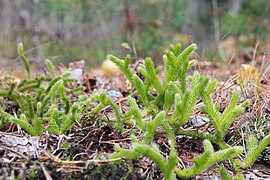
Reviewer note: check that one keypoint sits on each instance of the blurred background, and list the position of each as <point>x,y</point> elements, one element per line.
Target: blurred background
<point>69,30</point>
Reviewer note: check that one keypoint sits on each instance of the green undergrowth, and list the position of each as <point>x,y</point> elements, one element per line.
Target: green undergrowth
<point>170,103</point>
<point>45,103</point>
<point>54,104</point>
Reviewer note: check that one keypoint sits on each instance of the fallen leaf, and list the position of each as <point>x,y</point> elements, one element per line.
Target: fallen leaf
<point>246,74</point>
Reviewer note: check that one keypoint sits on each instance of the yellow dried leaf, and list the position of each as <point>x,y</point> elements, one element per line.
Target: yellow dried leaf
<point>246,74</point>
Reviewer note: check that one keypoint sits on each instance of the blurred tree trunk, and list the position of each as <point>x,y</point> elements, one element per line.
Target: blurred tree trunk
<point>23,20</point>
<point>235,6</point>
<point>129,31</point>
<point>199,19</point>
<point>9,25</point>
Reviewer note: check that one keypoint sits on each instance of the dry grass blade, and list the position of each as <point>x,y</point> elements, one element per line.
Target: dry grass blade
<point>46,174</point>
<point>97,161</point>
<point>15,152</point>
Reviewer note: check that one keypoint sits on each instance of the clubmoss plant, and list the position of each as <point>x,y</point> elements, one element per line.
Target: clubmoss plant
<point>221,121</point>
<point>179,93</point>
<point>162,106</point>
<point>24,60</point>
<point>224,173</point>
<point>168,166</point>
<point>170,103</point>
<point>174,85</point>
<point>106,101</point>
<point>253,150</point>
<point>46,104</point>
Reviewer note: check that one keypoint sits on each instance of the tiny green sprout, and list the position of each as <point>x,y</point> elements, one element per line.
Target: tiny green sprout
<point>24,59</point>
<point>50,67</point>
<point>65,145</point>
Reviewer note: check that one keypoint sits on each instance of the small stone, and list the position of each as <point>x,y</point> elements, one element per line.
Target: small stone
<point>110,69</point>
<point>114,94</point>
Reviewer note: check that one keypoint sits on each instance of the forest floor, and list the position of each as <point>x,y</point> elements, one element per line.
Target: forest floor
<point>83,152</point>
